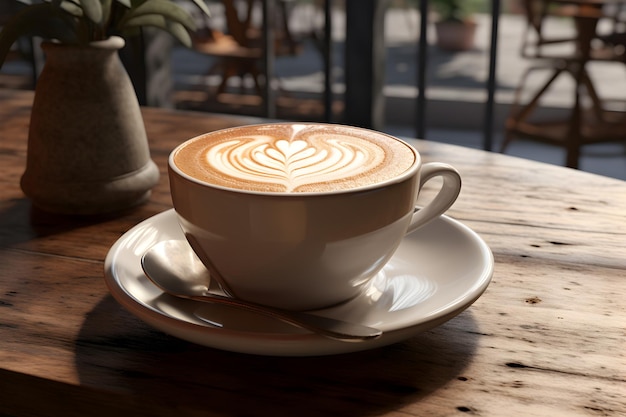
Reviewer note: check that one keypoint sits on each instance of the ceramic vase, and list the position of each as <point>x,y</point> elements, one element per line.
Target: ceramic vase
<point>87,146</point>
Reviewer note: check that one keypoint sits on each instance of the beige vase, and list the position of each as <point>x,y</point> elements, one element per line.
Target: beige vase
<point>87,146</point>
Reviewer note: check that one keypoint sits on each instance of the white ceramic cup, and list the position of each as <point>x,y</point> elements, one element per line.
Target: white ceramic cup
<point>303,251</point>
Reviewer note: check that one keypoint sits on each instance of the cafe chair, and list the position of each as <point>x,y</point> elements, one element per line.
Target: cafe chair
<point>587,121</point>
<point>239,50</point>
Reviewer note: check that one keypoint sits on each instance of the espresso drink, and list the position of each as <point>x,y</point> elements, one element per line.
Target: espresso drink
<point>289,157</point>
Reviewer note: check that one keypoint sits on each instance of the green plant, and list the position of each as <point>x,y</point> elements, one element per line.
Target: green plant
<point>455,10</point>
<point>80,22</point>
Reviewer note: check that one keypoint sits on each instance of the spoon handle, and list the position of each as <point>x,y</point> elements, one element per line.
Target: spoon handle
<point>325,326</point>
<point>174,268</point>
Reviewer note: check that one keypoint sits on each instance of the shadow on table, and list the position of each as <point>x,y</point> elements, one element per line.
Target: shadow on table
<point>118,352</point>
<point>21,222</point>
<point>24,226</point>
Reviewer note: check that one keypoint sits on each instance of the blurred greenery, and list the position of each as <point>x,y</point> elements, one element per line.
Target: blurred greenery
<point>466,6</point>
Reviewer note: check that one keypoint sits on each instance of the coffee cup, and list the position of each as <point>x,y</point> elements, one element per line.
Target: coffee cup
<point>300,216</point>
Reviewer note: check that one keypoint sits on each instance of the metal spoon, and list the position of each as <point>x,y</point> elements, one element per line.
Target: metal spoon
<point>173,267</point>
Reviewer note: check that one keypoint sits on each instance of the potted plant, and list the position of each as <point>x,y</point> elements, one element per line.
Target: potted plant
<point>87,146</point>
<point>455,27</point>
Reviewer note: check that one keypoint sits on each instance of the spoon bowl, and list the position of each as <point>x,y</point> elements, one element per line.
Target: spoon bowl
<point>173,267</point>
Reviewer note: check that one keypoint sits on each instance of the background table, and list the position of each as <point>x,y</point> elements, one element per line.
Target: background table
<point>546,339</point>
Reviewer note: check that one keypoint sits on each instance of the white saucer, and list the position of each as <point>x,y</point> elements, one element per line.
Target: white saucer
<point>437,272</point>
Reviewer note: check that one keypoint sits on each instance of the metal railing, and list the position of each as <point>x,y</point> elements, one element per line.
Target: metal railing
<point>367,11</point>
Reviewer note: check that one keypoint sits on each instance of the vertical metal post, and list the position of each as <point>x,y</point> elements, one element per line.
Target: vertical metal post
<point>422,60</point>
<point>491,82</point>
<point>328,62</point>
<point>365,63</point>
<point>269,96</point>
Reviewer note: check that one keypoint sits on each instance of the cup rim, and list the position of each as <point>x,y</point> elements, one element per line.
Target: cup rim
<point>409,173</point>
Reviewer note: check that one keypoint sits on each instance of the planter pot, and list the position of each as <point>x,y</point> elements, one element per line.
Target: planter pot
<point>87,146</point>
<point>455,36</point>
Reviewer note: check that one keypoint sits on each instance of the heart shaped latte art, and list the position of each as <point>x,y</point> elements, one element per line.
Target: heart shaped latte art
<point>293,163</point>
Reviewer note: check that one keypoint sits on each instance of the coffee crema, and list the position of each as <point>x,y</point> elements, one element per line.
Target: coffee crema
<point>291,157</point>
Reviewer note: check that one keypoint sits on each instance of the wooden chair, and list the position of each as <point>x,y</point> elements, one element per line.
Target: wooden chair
<point>239,51</point>
<point>588,120</point>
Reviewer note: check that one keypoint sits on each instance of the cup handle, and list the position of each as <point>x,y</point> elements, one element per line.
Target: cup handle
<point>443,200</point>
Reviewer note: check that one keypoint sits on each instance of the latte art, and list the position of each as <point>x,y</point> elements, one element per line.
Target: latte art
<point>294,158</point>
<point>291,164</point>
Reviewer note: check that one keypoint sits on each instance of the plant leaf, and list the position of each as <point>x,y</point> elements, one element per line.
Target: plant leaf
<point>72,8</point>
<point>166,8</point>
<point>179,31</point>
<point>125,3</point>
<point>26,2</point>
<point>106,10</point>
<point>146,20</point>
<point>45,20</point>
<point>176,29</point>
<point>202,5</point>
<point>93,10</point>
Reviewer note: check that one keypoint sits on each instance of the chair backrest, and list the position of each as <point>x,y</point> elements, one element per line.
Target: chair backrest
<point>535,11</point>
<point>537,41</point>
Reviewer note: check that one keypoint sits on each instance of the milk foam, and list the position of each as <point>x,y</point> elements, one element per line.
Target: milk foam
<point>294,158</point>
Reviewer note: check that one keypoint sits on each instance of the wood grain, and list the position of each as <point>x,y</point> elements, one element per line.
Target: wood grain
<point>546,339</point>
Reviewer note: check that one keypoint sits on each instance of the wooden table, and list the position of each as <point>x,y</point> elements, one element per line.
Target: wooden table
<point>546,339</point>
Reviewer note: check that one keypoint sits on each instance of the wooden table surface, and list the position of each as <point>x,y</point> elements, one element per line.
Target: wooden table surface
<point>547,338</point>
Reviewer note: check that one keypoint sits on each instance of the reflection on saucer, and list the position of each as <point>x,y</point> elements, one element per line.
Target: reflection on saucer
<point>395,291</point>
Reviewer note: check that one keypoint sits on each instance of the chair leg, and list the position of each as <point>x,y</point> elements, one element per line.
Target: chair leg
<point>508,138</point>
<point>518,116</point>
<point>230,69</point>
<point>574,137</point>
<point>572,157</point>
<point>532,104</point>
<point>573,140</point>
<point>598,107</point>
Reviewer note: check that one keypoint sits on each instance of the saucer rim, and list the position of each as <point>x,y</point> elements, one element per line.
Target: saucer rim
<point>285,344</point>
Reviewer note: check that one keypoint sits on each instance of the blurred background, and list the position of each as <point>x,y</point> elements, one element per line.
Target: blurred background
<point>224,71</point>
